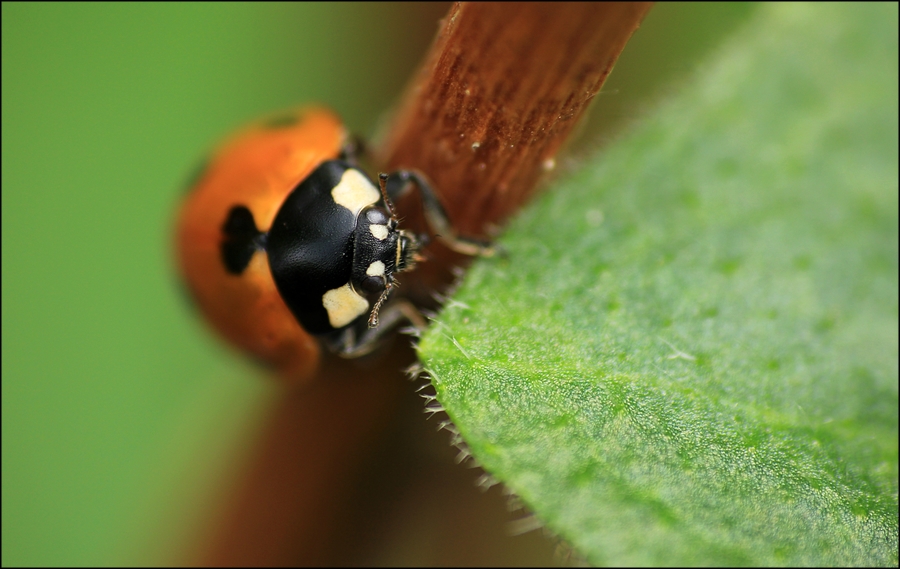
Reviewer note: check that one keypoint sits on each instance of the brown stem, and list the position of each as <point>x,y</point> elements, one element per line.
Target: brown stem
<point>500,91</point>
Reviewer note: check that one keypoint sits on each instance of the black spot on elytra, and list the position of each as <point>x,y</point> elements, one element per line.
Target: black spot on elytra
<point>281,121</point>
<point>242,240</point>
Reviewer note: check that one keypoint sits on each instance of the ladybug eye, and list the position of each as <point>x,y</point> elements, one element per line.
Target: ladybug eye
<point>376,216</point>
<point>373,284</point>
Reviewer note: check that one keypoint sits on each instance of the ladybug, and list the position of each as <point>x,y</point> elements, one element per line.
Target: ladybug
<point>287,246</point>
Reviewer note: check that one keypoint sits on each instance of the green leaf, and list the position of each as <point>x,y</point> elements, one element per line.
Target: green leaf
<point>691,354</point>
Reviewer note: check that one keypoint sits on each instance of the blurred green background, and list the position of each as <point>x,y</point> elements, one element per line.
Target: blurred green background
<point>119,411</point>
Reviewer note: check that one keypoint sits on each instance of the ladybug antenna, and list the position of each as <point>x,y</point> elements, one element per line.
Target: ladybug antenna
<point>373,316</point>
<point>382,182</point>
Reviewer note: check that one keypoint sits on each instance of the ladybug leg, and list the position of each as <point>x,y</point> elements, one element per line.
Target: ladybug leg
<point>358,340</point>
<point>397,184</point>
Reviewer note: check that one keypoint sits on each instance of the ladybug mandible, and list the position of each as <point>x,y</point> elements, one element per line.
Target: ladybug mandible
<point>287,246</point>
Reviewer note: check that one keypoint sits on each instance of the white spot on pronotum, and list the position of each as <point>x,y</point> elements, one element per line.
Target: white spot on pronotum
<point>379,231</point>
<point>376,269</point>
<point>343,306</point>
<point>548,164</point>
<point>354,191</point>
<point>476,145</point>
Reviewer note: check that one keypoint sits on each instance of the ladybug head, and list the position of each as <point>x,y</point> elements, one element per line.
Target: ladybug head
<point>380,250</point>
